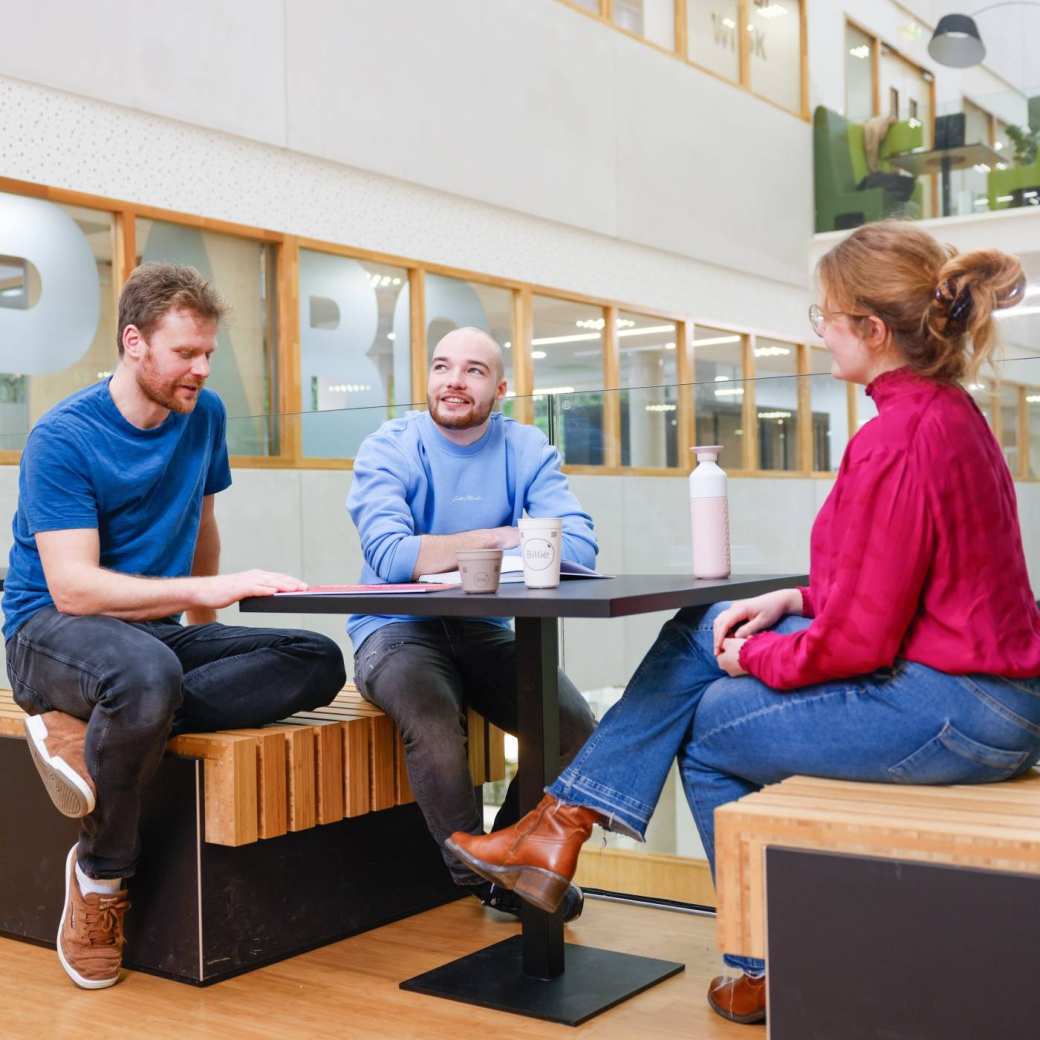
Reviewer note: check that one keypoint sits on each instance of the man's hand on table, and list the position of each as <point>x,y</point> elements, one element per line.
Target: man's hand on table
<point>222,590</point>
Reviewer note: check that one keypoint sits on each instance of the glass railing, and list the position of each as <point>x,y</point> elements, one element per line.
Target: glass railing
<point>975,156</point>
<point>627,457</point>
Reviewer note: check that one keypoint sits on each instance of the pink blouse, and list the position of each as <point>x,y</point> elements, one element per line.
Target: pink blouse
<point>916,553</point>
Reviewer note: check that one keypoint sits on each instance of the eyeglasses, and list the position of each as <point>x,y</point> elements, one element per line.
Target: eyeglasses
<point>818,318</point>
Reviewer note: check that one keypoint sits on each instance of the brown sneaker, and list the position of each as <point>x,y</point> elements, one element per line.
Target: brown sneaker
<point>536,857</point>
<point>56,745</point>
<point>90,936</point>
<point>740,1000</point>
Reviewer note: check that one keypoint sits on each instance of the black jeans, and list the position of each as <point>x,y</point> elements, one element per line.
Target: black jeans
<point>135,682</point>
<point>424,675</point>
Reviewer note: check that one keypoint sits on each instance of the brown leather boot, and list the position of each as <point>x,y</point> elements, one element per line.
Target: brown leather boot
<point>56,743</point>
<point>740,1000</point>
<point>536,857</point>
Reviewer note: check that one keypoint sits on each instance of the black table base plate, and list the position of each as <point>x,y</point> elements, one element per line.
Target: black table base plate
<point>594,981</point>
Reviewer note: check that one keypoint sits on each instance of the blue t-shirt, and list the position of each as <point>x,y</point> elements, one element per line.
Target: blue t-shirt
<point>410,480</point>
<point>86,466</point>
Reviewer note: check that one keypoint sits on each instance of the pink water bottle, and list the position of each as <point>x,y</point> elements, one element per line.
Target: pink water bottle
<point>709,514</point>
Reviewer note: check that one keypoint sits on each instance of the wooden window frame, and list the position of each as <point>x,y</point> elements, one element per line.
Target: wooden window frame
<point>287,354</point>
<point>678,50</point>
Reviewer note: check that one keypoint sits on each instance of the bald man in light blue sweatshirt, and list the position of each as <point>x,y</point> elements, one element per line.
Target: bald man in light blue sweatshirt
<point>458,476</point>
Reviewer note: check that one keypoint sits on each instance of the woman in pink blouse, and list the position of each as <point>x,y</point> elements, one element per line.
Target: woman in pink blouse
<point>914,654</point>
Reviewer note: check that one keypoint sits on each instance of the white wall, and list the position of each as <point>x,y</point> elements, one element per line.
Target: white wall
<point>524,104</point>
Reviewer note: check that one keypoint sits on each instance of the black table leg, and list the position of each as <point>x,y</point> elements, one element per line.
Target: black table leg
<point>537,657</point>
<point>526,974</point>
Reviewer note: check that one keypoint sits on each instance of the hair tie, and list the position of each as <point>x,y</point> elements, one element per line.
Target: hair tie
<point>958,307</point>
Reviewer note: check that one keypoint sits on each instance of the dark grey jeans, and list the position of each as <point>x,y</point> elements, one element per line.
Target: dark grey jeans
<point>135,682</point>
<point>424,675</point>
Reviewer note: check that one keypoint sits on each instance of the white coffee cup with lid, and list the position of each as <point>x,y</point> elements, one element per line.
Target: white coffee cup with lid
<point>541,539</point>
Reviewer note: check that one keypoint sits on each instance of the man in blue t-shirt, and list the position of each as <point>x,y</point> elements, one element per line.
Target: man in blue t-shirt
<point>114,537</point>
<point>458,476</point>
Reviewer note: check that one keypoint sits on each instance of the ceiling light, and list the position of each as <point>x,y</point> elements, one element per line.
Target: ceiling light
<point>862,51</point>
<point>736,391</point>
<point>956,42</point>
<point>391,336</point>
<point>1033,398</point>
<point>771,11</point>
<point>772,351</point>
<point>538,354</point>
<point>715,341</point>
<point>659,408</point>
<point>542,392</point>
<point>729,23</point>
<point>584,337</point>
<point>669,346</point>
<point>774,415</point>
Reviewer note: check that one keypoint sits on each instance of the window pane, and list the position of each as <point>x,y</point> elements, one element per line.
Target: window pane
<point>1033,425</point>
<point>1009,424</point>
<point>970,187</point>
<point>354,350</point>
<point>711,34</point>
<point>830,412</point>
<point>982,394</point>
<point>865,407</point>
<point>718,373</point>
<point>243,367</point>
<point>53,345</point>
<point>567,357</point>
<point>453,304</point>
<point>649,409</point>
<point>859,104</point>
<point>652,19</point>
<point>774,36</point>
<point>776,403</point>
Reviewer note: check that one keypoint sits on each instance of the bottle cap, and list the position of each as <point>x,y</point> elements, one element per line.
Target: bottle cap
<point>707,452</point>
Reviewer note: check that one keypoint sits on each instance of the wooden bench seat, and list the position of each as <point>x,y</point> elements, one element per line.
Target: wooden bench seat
<point>989,826</point>
<point>317,767</point>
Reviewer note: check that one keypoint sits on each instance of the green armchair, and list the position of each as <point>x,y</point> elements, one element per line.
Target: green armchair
<point>840,163</point>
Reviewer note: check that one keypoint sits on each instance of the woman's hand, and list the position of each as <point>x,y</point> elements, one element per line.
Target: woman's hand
<point>755,615</point>
<point>729,657</point>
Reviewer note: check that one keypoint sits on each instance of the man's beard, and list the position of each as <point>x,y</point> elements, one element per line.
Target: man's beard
<point>162,393</point>
<point>476,416</point>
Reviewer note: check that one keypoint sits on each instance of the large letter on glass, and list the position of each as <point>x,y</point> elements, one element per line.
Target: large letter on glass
<point>57,327</point>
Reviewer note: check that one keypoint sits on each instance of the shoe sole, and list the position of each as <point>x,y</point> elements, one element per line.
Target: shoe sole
<point>67,789</point>
<point>535,885</point>
<point>745,1020</point>
<point>70,865</point>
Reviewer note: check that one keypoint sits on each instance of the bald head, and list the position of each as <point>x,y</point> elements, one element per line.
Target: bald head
<point>467,377</point>
<point>475,344</point>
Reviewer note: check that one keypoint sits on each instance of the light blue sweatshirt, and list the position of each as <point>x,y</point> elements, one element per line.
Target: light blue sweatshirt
<point>410,480</point>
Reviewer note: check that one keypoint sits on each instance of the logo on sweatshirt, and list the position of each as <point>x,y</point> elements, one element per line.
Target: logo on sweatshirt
<point>467,498</point>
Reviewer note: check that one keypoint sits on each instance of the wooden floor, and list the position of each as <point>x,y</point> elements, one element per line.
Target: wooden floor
<point>350,989</point>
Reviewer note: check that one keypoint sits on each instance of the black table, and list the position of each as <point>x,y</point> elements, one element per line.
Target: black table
<point>943,160</point>
<point>525,974</point>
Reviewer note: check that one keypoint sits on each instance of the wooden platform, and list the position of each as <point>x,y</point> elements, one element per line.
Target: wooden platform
<point>317,767</point>
<point>992,826</point>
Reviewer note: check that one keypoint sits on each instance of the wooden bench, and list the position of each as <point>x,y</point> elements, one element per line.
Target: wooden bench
<point>317,767</point>
<point>256,844</point>
<point>892,900</point>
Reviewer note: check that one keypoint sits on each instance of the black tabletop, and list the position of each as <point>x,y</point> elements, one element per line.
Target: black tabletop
<point>588,598</point>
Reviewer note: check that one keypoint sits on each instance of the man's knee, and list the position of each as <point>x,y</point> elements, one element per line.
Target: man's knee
<point>328,673</point>
<point>148,690</point>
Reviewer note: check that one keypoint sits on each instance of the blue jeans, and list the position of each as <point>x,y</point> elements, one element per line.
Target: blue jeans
<point>906,724</point>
